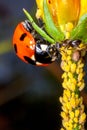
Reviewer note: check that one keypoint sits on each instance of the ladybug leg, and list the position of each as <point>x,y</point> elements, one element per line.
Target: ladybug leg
<point>27,25</point>
<point>52,52</point>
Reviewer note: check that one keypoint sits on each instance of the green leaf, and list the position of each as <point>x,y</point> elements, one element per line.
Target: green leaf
<point>80,31</point>
<point>50,27</point>
<point>37,28</point>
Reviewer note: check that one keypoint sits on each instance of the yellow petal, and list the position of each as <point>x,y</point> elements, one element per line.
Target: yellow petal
<point>53,7</point>
<point>68,11</point>
<point>83,8</point>
<point>39,13</point>
<point>62,11</point>
<point>39,3</point>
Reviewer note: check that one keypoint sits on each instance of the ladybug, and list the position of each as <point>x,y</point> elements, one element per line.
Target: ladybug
<point>32,48</point>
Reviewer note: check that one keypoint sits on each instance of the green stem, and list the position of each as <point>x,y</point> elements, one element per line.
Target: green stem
<point>37,28</point>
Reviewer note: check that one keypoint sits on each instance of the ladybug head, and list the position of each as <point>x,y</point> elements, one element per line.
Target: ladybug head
<point>45,52</point>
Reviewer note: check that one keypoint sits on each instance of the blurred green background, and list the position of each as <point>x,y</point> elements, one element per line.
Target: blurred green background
<point>28,94</point>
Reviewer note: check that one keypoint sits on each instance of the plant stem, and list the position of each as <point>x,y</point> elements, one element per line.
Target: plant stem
<point>73,115</point>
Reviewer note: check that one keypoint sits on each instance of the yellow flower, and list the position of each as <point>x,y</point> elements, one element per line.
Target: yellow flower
<point>40,9</point>
<point>62,11</point>
<point>65,13</point>
<point>83,8</point>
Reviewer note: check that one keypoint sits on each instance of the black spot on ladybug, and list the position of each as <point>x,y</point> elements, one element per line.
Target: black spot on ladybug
<point>23,36</point>
<point>27,46</point>
<point>15,47</point>
<point>29,60</point>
